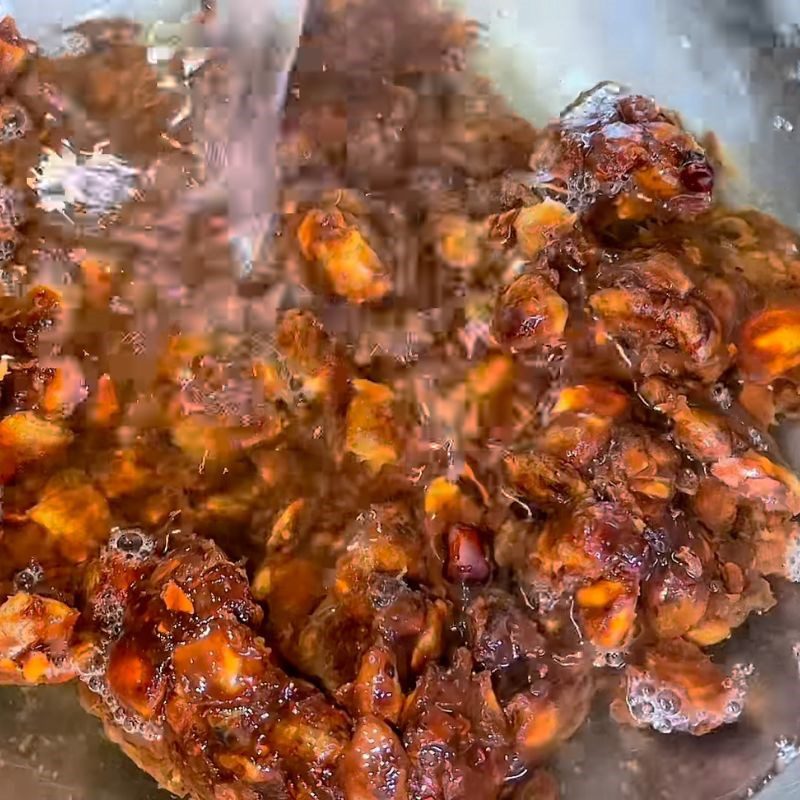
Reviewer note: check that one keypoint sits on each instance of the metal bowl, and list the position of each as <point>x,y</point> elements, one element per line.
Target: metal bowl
<point>731,66</point>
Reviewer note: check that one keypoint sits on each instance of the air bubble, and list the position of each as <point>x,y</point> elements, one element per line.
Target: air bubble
<point>92,665</point>
<point>740,673</point>
<point>109,613</point>
<point>757,439</point>
<point>582,190</point>
<point>615,659</point>
<point>733,710</point>
<point>98,661</point>
<point>150,732</point>
<point>11,208</point>
<point>721,396</point>
<point>129,725</point>
<point>8,244</point>
<point>428,757</point>
<point>792,559</point>
<point>132,542</point>
<point>658,706</point>
<point>26,579</point>
<point>669,702</point>
<point>662,726</point>
<point>787,751</point>
<point>15,121</point>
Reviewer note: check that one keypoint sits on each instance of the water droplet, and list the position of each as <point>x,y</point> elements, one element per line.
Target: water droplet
<point>780,123</point>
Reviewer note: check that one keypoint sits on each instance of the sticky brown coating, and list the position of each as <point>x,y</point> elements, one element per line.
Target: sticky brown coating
<point>619,156</point>
<point>519,425</point>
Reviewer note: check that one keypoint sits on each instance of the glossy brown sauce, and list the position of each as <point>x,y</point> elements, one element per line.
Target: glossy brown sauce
<point>489,429</point>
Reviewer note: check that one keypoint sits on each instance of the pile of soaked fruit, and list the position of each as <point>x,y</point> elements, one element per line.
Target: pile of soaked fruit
<point>493,420</point>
